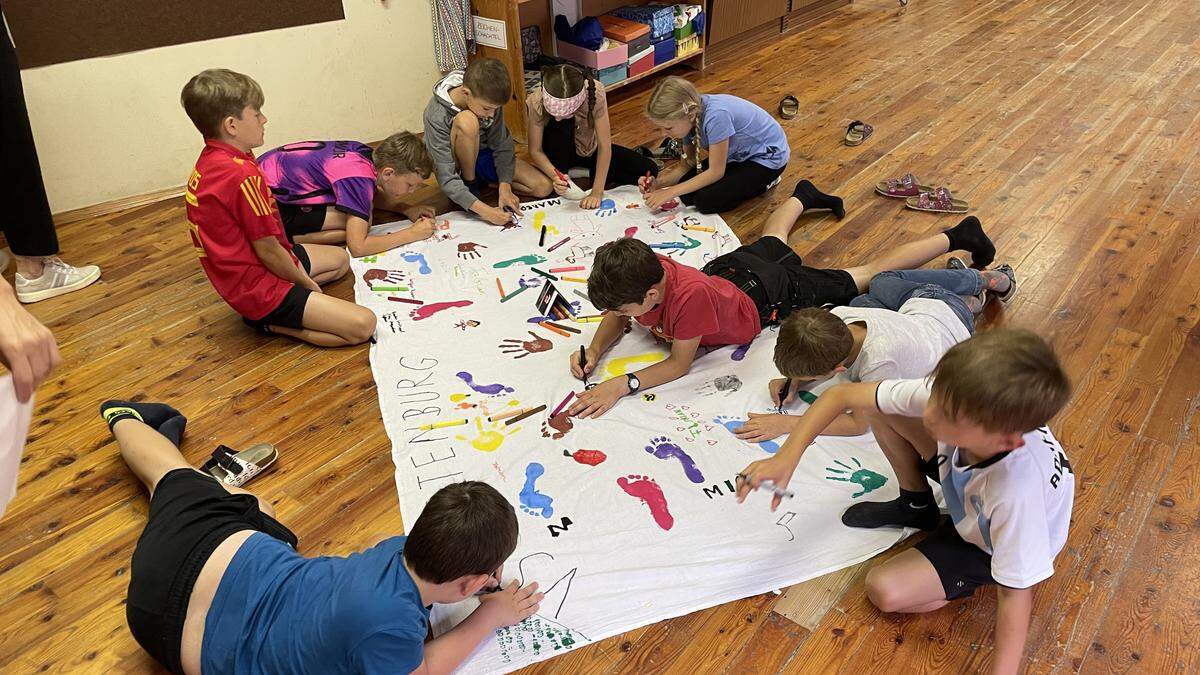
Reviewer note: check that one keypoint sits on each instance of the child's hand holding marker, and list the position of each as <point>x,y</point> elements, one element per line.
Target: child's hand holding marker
<point>646,183</point>
<point>774,474</point>
<point>583,363</point>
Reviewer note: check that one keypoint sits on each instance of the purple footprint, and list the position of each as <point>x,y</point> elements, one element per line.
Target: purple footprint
<point>663,448</point>
<point>489,389</point>
<point>740,353</point>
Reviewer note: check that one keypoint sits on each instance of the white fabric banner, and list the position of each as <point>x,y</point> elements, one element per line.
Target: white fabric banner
<point>625,520</point>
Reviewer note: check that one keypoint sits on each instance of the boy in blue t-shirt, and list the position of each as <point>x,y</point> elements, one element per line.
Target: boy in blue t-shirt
<point>216,584</point>
<point>976,425</point>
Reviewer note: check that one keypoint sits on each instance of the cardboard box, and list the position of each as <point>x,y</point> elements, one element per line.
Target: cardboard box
<point>660,18</point>
<point>664,51</point>
<point>622,30</point>
<point>642,62</point>
<point>639,45</point>
<point>608,58</point>
<point>611,76</point>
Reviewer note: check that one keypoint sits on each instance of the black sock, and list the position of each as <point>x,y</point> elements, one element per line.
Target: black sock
<point>910,509</point>
<point>968,236</point>
<point>161,417</point>
<point>812,198</point>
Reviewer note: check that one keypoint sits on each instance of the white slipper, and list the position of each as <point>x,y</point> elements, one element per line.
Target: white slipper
<point>237,468</point>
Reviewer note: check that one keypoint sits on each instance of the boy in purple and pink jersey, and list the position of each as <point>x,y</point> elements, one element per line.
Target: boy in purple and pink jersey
<point>309,177</point>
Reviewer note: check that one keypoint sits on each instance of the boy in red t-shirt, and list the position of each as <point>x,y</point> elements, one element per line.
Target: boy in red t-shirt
<point>730,300</point>
<point>236,229</point>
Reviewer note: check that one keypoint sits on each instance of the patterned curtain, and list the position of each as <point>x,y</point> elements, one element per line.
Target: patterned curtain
<point>453,33</point>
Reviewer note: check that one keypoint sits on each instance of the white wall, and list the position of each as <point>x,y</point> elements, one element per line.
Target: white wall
<point>112,127</point>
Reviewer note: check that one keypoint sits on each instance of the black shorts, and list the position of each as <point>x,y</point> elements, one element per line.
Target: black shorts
<point>190,515</point>
<point>290,312</point>
<point>961,566</point>
<point>298,220</point>
<point>810,286</point>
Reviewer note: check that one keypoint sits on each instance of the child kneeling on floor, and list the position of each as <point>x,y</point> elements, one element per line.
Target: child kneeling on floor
<point>327,190</point>
<point>977,426</point>
<point>216,584</point>
<point>569,128</point>
<point>236,231</point>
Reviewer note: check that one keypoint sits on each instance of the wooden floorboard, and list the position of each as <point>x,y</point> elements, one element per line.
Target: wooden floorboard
<point>1072,126</point>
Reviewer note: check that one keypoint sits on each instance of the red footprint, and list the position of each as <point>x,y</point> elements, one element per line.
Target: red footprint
<point>647,489</point>
<point>630,231</point>
<point>433,308</point>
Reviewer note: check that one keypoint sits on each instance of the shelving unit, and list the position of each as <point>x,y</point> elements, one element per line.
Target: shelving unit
<point>520,13</point>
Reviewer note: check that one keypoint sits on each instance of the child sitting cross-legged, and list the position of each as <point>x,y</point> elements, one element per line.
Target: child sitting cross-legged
<point>976,425</point>
<point>898,329</point>
<point>327,190</point>
<point>216,584</point>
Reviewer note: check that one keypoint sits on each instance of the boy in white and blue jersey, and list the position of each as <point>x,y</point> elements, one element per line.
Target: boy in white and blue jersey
<point>977,425</point>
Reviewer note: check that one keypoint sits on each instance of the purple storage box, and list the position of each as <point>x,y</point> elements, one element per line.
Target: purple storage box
<point>617,56</point>
<point>664,50</point>
<point>660,18</point>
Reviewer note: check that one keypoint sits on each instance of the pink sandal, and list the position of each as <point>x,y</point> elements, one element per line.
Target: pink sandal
<point>938,201</point>
<point>902,188</point>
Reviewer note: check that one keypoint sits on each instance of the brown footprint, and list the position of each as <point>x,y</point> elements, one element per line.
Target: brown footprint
<point>560,423</point>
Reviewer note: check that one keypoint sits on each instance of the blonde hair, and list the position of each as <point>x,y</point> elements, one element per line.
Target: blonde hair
<point>565,81</point>
<point>1004,379</point>
<point>214,94</point>
<point>403,153</point>
<point>674,98</point>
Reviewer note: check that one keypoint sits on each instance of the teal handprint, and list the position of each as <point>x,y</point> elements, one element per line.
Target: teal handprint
<point>868,479</point>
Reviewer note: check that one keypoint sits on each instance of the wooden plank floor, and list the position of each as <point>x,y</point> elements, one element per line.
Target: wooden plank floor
<point>1071,125</point>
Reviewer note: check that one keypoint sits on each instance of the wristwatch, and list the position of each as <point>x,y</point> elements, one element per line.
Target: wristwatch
<point>634,383</point>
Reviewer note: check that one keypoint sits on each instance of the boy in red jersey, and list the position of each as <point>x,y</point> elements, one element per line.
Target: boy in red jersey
<point>236,229</point>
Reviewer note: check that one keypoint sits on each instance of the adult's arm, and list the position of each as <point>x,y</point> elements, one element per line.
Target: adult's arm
<point>27,347</point>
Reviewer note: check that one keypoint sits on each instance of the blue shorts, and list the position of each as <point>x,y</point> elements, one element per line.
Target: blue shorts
<point>485,167</point>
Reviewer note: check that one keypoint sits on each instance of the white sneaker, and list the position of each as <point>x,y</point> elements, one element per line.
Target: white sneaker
<point>57,278</point>
<point>3,260</point>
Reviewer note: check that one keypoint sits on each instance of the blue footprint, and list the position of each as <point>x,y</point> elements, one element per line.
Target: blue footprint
<point>533,501</point>
<point>732,423</point>
<point>418,258</point>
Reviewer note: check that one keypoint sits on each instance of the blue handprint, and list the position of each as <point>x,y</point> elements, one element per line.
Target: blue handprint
<point>607,208</point>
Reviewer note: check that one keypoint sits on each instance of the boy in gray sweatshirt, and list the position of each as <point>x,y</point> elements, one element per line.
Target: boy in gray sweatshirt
<point>470,146</point>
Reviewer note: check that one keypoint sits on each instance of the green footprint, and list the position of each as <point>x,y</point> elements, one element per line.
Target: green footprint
<point>531,259</point>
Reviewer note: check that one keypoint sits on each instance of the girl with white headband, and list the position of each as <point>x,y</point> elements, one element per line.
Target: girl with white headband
<point>569,128</point>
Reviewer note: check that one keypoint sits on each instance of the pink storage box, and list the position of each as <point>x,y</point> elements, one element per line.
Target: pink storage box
<point>617,56</point>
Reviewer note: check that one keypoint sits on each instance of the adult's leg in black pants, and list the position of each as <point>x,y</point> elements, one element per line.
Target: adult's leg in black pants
<point>742,181</point>
<point>28,227</point>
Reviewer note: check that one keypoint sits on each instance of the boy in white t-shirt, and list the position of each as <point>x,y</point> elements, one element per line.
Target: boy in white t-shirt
<point>979,420</point>
<point>898,329</point>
